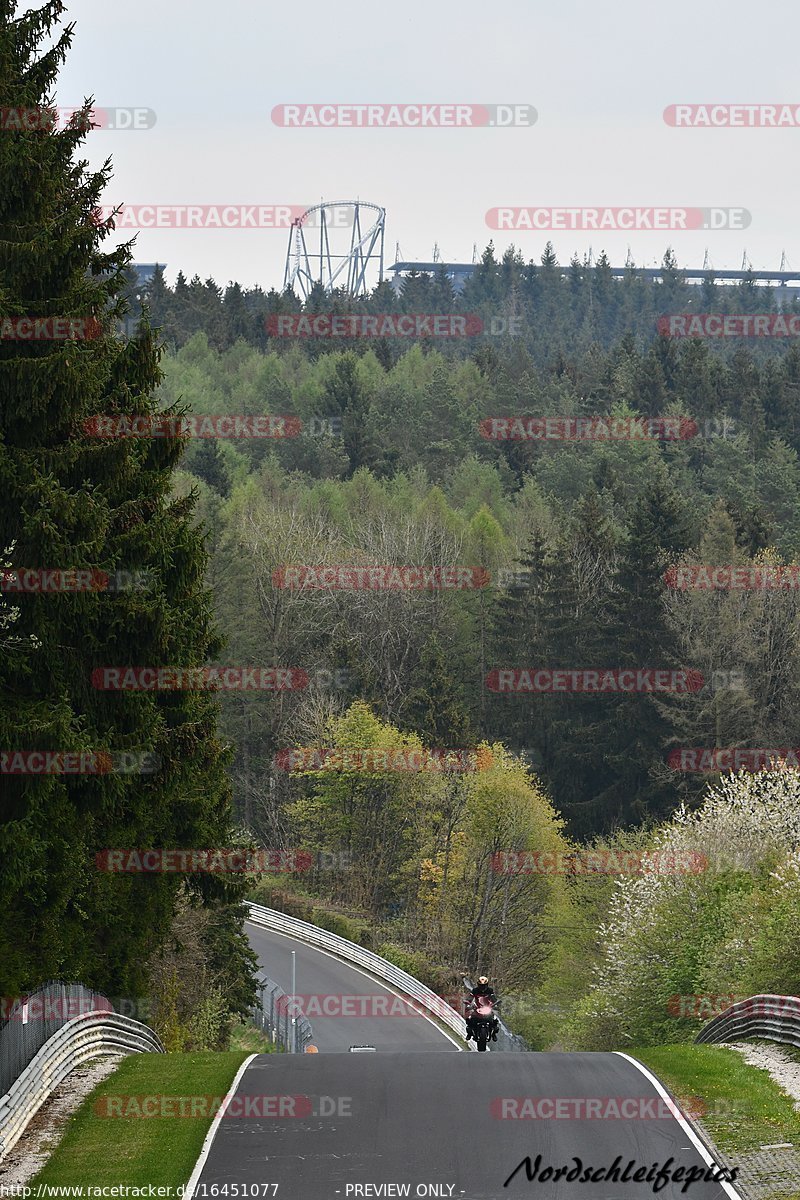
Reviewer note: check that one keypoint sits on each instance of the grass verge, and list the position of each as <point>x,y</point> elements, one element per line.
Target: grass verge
<point>741,1106</point>
<point>99,1150</point>
<point>251,1040</point>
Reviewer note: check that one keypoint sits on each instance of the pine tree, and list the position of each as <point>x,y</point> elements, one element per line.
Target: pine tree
<point>238,322</point>
<point>518,640</point>
<point>348,398</point>
<point>575,623</point>
<point>74,501</point>
<point>183,317</point>
<point>206,460</point>
<point>158,298</point>
<point>482,289</point>
<point>436,708</point>
<point>638,728</point>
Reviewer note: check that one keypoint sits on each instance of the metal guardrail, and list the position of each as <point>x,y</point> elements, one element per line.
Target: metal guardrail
<point>273,1016</point>
<point>776,1018</point>
<point>35,1017</point>
<point>381,968</point>
<point>91,1035</point>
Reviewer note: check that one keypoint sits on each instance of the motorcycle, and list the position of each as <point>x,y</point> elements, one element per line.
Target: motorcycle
<point>482,1022</point>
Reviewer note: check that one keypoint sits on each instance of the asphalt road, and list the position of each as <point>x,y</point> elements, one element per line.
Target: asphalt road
<point>334,985</point>
<point>329,1126</point>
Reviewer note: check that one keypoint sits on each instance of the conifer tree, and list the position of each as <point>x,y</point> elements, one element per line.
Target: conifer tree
<point>71,500</point>
<point>519,640</point>
<point>638,727</point>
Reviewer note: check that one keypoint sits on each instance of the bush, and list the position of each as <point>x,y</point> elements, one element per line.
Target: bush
<point>417,964</point>
<point>729,928</point>
<point>202,978</point>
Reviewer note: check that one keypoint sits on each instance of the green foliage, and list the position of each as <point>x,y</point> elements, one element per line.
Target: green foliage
<point>410,479</point>
<point>140,1153</point>
<point>203,978</point>
<point>595,527</point>
<point>431,974</point>
<point>208,1027</point>
<point>729,929</point>
<point>75,501</point>
<point>342,926</point>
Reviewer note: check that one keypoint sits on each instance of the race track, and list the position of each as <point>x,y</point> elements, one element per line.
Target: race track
<point>417,1118</point>
<point>327,979</point>
<point>417,1121</point>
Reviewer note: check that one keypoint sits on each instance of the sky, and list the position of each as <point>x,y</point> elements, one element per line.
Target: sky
<point>598,76</point>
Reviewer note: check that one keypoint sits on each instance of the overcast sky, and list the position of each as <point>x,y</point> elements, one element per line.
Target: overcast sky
<point>599,76</point>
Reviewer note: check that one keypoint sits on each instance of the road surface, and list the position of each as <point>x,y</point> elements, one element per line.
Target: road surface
<point>417,1118</point>
<point>332,983</point>
<point>432,1125</point>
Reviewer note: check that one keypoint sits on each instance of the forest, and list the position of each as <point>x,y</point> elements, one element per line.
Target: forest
<point>588,553</point>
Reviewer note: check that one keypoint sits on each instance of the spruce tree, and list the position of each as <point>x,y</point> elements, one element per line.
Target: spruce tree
<point>158,298</point>
<point>519,640</point>
<point>639,728</point>
<point>71,500</point>
<point>575,620</point>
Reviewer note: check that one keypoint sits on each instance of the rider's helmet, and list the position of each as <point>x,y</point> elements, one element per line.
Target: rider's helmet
<point>483,979</point>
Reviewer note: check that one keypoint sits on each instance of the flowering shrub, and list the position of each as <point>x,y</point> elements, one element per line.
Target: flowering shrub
<point>733,927</point>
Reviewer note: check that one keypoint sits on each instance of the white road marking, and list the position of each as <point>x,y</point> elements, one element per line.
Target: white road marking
<point>699,1146</point>
<point>212,1132</point>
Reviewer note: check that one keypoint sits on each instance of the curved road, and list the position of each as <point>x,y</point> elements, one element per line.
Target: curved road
<point>458,1126</point>
<point>329,981</point>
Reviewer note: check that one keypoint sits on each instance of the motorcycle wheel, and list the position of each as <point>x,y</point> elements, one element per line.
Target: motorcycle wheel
<point>482,1042</point>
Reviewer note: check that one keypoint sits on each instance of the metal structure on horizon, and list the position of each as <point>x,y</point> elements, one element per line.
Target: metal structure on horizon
<point>785,280</point>
<point>335,264</point>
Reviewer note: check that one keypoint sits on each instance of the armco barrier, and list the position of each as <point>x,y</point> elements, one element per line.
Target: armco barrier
<point>31,1020</point>
<point>776,1018</point>
<point>91,1035</point>
<point>348,951</point>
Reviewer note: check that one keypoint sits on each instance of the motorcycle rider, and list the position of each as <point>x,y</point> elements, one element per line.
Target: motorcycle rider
<point>483,990</point>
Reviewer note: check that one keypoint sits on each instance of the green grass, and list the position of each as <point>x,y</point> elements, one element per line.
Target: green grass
<point>740,1106</point>
<point>99,1150</point>
<point>251,1040</point>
